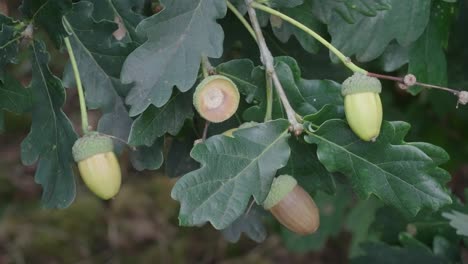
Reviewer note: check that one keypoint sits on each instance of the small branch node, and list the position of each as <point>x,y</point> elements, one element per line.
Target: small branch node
<point>463,97</point>
<point>409,80</point>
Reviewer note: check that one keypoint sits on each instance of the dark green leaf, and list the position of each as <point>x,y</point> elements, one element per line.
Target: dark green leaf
<point>177,38</point>
<point>126,13</point>
<point>148,158</point>
<point>178,161</point>
<point>394,57</point>
<point>332,211</point>
<point>250,224</point>
<point>233,170</point>
<point>155,122</point>
<point>284,30</point>
<point>304,165</point>
<point>48,14</point>
<point>52,136</point>
<point>349,10</point>
<point>445,248</point>
<point>427,59</point>
<point>404,21</point>
<point>240,72</point>
<point>13,96</point>
<point>358,222</point>
<point>9,42</point>
<point>257,112</point>
<point>384,254</point>
<point>100,57</point>
<point>399,174</point>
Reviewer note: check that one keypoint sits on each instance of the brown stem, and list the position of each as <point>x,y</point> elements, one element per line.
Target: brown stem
<point>267,60</point>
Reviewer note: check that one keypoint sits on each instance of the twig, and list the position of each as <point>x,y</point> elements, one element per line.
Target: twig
<point>267,60</point>
<point>346,61</point>
<point>269,95</point>
<point>84,113</point>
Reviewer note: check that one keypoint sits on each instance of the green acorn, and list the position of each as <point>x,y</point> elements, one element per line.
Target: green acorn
<point>292,206</point>
<point>98,165</point>
<point>216,98</point>
<point>363,107</point>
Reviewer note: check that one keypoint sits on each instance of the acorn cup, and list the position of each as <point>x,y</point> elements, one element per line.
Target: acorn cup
<point>363,107</point>
<point>216,98</point>
<point>292,206</point>
<point>98,165</point>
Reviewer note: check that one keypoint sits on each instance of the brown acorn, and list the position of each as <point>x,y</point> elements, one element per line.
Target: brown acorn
<point>292,206</point>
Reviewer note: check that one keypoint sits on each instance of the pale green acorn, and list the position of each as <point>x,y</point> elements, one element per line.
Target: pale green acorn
<point>216,98</point>
<point>292,206</point>
<point>98,165</point>
<point>363,107</point>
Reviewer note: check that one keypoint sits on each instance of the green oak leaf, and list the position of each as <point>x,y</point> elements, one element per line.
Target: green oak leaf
<point>9,42</point>
<point>155,122</point>
<point>52,136</point>
<point>178,160</point>
<point>381,253</point>
<point>48,14</point>
<point>126,12</point>
<point>349,10</point>
<point>233,170</point>
<point>404,21</point>
<point>394,57</point>
<point>13,96</point>
<point>304,165</point>
<point>427,60</point>
<point>178,36</point>
<point>240,72</point>
<point>398,173</point>
<point>148,158</point>
<point>284,30</point>
<point>250,224</point>
<point>359,221</point>
<point>100,57</point>
<point>332,215</point>
<point>306,96</point>
<point>257,112</point>
<point>458,220</point>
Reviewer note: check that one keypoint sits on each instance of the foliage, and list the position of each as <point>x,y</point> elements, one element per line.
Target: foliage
<point>139,62</point>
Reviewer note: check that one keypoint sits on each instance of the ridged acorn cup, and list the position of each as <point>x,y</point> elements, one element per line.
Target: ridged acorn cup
<point>363,107</point>
<point>292,206</point>
<point>216,98</point>
<point>98,165</point>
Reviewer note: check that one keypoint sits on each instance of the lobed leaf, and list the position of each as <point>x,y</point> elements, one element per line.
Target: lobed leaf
<point>398,173</point>
<point>177,37</point>
<point>233,170</point>
<point>51,137</point>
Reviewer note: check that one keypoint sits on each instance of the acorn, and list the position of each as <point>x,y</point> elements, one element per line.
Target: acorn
<point>362,104</point>
<point>98,165</point>
<point>292,206</point>
<point>216,98</point>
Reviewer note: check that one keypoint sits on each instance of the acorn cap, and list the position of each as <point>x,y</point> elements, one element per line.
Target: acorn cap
<point>281,186</point>
<point>90,145</point>
<point>360,83</point>
<point>216,98</point>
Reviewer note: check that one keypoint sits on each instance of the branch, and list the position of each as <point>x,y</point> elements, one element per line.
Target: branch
<point>267,60</point>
